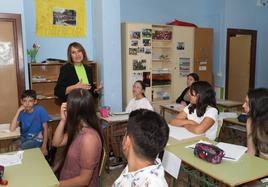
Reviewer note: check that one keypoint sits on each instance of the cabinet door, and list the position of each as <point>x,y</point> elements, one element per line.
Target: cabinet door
<point>183,50</point>
<point>137,57</point>
<point>203,53</point>
<point>11,66</point>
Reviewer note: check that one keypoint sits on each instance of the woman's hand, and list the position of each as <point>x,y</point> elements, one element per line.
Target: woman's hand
<point>82,86</point>
<point>99,87</point>
<point>63,111</point>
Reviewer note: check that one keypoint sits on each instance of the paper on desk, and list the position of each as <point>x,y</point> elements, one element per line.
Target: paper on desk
<point>171,164</point>
<point>181,133</point>
<point>232,151</point>
<point>11,159</point>
<point>192,146</point>
<point>223,115</point>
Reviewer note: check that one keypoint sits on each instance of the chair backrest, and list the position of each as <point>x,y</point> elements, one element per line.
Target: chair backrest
<point>102,162</point>
<point>220,122</point>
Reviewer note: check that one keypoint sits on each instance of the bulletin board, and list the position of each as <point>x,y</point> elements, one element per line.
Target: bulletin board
<point>61,18</point>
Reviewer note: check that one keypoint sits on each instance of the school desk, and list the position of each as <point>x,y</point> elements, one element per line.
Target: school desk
<point>113,121</point>
<point>234,125</point>
<point>7,137</point>
<point>232,173</point>
<point>34,171</point>
<point>172,108</point>
<point>228,105</point>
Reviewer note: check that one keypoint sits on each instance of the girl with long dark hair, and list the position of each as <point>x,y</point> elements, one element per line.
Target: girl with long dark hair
<point>201,115</point>
<point>256,106</point>
<point>79,131</point>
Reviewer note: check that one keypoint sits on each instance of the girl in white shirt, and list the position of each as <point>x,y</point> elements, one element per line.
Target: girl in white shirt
<point>139,101</point>
<point>201,115</point>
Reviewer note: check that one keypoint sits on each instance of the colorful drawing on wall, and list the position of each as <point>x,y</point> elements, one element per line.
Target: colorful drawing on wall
<point>61,18</point>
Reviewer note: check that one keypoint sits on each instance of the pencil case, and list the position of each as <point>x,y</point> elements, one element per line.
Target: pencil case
<point>209,153</point>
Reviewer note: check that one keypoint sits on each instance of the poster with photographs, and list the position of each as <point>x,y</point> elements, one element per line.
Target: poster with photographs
<point>135,35</point>
<point>180,46</point>
<point>146,33</point>
<point>147,79</point>
<point>134,43</point>
<point>184,66</point>
<point>133,51</point>
<point>139,64</point>
<point>146,42</point>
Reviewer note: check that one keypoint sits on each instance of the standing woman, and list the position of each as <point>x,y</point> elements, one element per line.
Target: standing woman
<point>139,101</point>
<point>75,74</point>
<point>201,115</point>
<point>256,106</point>
<point>79,131</point>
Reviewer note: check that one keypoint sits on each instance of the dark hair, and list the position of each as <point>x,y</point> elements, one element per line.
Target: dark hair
<point>148,131</point>
<point>206,97</point>
<point>194,75</point>
<point>80,108</point>
<point>142,86</point>
<point>258,112</point>
<point>28,93</point>
<point>79,47</point>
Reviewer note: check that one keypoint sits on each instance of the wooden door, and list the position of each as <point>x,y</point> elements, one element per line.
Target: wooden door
<point>203,45</point>
<point>240,65</point>
<point>11,65</point>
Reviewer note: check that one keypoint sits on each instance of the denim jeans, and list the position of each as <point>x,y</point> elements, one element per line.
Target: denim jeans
<point>30,142</point>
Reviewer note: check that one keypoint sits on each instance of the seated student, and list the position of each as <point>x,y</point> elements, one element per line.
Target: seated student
<point>201,115</point>
<point>147,134</point>
<point>79,130</point>
<point>183,99</point>
<point>139,101</point>
<point>33,119</point>
<point>256,106</point>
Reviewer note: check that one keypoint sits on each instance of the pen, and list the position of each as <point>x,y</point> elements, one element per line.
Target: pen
<point>229,158</point>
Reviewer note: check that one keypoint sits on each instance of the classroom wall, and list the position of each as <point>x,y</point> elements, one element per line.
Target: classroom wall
<point>16,7</point>
<point>255,18</point>
<point>108,50</point>
<point>209,13</point>
<point>55,47</point>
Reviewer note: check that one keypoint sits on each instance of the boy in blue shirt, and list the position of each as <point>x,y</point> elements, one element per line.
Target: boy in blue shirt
<point>33,120</point>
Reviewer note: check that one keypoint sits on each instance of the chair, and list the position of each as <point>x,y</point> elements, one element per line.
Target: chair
<point>220,122</point>
<point>102,165</point>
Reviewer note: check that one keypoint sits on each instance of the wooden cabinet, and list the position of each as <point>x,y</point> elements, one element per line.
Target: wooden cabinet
<point>43,78</point>
<point>162,56</point>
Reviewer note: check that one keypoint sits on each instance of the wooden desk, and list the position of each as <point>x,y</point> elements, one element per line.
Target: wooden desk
<point>172,108</point>
<point>34,171</point>
<point>228,104</point>
<point>7,137</point>
<point>233,121</point>
<point>112,122</point>
<point>232,173</point>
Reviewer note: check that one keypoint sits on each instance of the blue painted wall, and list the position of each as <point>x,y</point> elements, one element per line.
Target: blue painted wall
<point>108,50</point>
<point>219,15</point>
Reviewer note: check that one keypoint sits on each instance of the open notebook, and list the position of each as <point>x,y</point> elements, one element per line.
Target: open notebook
<point>232,152</point>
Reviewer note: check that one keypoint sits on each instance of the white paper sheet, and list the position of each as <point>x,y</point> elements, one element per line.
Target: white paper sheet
<point>171,164</point>
<point>181,133</point>
<point>232,152</point>
<point>192,146</point>
<point>11,159</point>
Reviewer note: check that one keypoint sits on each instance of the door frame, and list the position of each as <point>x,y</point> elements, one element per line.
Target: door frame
<point>18,48</point>
<point>233,32</point>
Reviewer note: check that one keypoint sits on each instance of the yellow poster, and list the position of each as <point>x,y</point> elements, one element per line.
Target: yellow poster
<point>61,18</point>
